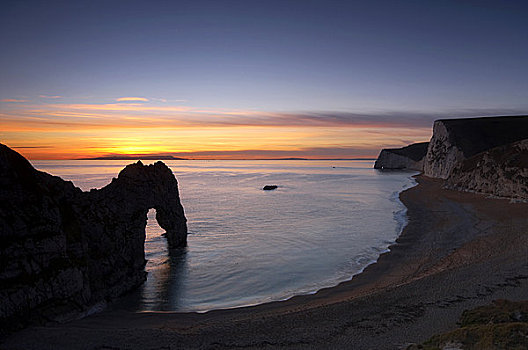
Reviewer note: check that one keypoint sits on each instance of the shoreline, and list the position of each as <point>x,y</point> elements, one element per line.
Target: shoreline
<point>458,250</point>
<point>399,216</point>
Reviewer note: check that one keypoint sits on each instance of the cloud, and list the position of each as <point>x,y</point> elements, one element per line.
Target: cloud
<point>52,97</point>
<point>93,129</point>
<point>12,100</point>
<point>132,99</point>
<point>139,115</point>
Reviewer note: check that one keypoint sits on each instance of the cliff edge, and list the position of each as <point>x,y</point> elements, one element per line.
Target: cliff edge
<point>65,251</point>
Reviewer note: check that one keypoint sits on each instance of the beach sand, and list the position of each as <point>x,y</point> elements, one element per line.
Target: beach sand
<point>458,251</point>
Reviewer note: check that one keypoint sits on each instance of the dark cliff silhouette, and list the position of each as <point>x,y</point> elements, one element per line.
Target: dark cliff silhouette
<point>65,251</point>
<point>408,157</point>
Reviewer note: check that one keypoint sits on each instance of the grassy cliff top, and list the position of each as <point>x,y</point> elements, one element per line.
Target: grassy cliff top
<point>475,135</point>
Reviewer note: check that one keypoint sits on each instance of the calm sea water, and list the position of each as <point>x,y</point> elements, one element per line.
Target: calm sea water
<point>325,223</point>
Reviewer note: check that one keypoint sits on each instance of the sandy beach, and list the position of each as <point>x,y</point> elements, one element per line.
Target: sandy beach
<point>458,251</point>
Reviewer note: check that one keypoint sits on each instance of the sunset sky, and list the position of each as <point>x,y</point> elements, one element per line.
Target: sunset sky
<point>252,79</point>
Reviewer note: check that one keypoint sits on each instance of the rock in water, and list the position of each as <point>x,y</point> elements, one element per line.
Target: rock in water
<point>64,250</point>
<point>269,187</point>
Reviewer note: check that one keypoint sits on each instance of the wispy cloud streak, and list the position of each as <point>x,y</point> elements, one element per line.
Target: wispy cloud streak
<point>144,116</point>
<point>50,97</point>
<point>15,100</point>
<point>127,99</point>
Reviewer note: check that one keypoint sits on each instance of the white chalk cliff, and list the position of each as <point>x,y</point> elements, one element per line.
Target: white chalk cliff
<point>485,155</point>
<point>501,171</point>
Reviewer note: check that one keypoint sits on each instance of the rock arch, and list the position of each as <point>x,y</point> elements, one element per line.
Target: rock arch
<point>64,250</point>
<point>139,188</point>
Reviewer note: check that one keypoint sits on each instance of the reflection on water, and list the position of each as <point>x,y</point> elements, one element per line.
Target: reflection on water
<point>325,222</point>
<point>165,267</point>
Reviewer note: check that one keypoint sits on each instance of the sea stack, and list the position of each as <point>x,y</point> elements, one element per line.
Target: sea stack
<point>64,250</point>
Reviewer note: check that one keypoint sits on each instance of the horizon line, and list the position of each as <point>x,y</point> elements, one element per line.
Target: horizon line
<point>177,158</point>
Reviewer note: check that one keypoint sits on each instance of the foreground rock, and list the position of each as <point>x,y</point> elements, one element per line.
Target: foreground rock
<point>409,157</point>
<point>65,251</point>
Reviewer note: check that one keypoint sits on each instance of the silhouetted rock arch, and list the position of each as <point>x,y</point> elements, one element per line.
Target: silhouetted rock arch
<point>65,251</point>
<point>139,188</point>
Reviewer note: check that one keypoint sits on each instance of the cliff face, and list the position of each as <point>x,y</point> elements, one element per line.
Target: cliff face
<point>501,171</point>
<point>64,250</point>
<point>455,140</point>
<point>487,155</point>
<point>409,157</point>
<point>442,154</point>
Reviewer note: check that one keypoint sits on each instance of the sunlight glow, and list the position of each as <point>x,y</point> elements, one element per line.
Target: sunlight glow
<point>61,131</point>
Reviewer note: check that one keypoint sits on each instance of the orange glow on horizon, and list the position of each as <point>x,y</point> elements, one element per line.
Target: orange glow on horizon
<point>72,131</point>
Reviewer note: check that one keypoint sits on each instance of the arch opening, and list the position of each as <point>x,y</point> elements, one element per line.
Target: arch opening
<point>158,291</point>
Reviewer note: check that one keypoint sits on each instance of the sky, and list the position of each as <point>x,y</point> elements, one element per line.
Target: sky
<point>252,79</point>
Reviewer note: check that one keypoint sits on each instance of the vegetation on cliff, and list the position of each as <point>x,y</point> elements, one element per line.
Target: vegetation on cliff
<point>501,325</point>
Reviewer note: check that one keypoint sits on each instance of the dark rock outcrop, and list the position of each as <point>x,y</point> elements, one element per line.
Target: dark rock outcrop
<point>63,250</point>
<point>269,187</point>
<point>409,157</point>
<point>455,140</point>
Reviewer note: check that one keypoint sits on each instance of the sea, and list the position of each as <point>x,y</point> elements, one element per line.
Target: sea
<point>325,222</point>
